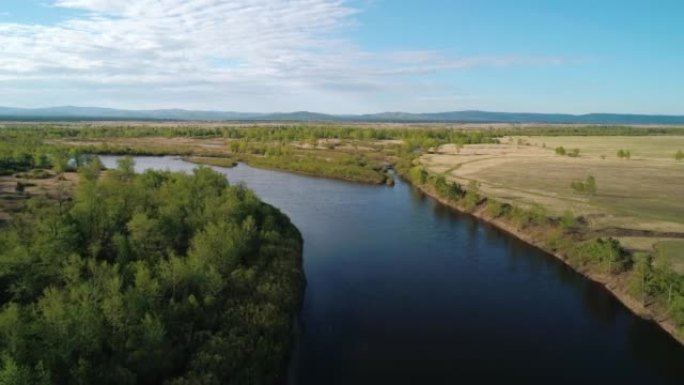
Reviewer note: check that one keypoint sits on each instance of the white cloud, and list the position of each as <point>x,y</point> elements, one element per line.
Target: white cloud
<point>248,54</point>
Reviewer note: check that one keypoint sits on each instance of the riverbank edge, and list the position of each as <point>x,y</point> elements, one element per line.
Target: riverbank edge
<point>615,285</point>
<point>388,181</point>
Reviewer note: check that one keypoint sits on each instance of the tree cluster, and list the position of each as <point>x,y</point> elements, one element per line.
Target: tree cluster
<point>586,187</point>
<point>624,154</point>
<point>153,278</point>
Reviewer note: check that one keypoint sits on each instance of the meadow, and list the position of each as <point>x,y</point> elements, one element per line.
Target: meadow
<point>636,197</point>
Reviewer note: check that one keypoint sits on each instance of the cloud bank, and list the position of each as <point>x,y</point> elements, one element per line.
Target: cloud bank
<point>259,55</point>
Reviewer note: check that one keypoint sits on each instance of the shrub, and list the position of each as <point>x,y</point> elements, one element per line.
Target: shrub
<point>605,252</point>
<point>568,222</point>
<point>418,175</point>
<point>586,187</point>
<point>624,154</point>
<point>495,208</point>
<point>472,198</point>
<point>679,155</point>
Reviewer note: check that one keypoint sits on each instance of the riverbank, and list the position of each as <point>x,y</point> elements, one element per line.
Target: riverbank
<point>615,284</point>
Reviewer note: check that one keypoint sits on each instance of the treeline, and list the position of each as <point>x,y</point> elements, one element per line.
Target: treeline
<point>153,278</point>
<point>650,280</point>
<point>353,169</point>
<point>275,133</point>
<point>276,147</point>
<point>595,130</point>
<point>16,155</point>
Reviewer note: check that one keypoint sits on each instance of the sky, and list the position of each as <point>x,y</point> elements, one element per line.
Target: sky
<point>345,56</point>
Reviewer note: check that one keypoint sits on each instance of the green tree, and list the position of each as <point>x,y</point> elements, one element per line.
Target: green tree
<point>640,280</point>
<point>679,155</point>
<point>148,279</point>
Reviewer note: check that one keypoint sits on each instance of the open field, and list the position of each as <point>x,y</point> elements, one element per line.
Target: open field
<point>635,197</point>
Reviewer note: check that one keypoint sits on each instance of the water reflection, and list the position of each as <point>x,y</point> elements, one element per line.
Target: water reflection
<point>402,290</point>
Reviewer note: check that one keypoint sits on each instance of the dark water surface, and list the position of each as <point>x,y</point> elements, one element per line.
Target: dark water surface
<point>402,290</point>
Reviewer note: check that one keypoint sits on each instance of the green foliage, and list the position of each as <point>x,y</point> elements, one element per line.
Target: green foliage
<point>624,154</point>
<point>148,279</point>
<point>568,222</point>
<point>538,215</point>
<point>351,168</point>
<point>587,187</point>
<point>472,198</point>
<point>519,216</point>
<point>574,153</point>
<point>213,161</point>
<point>679,155</point>
<point>495,208</point>
<point>605,253</point>
<point>418,175</point>
<point>641,277</point>
<point>449,190</point>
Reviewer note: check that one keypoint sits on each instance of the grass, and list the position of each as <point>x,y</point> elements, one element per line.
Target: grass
<point>226,162</point>
<point>648,147</point>
<point>360,161</point>
<point>642,193</point>
<point>673,252</point>
<point>52,188</point>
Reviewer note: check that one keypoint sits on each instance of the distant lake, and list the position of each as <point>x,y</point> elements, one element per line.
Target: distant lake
<point>402,290</point>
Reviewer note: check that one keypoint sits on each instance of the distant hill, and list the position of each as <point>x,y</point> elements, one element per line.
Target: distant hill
<point>95,113</point>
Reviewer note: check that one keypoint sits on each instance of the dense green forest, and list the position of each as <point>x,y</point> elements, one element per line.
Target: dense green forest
<point>152,278</point>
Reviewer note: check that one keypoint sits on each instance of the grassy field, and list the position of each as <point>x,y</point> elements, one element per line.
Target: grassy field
<point>641,196</point>
<point>672,250</point>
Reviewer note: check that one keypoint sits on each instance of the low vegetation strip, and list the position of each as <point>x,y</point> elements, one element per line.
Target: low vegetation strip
<point>153,278</point>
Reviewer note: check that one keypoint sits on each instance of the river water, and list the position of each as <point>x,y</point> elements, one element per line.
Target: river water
<point>401,290</point>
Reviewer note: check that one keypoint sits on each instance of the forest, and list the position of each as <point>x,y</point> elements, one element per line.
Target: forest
<point>152,278</point>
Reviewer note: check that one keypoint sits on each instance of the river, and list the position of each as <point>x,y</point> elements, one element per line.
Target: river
<point>401,290</point>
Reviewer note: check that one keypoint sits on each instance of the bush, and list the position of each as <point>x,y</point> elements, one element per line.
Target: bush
<point>624,154</point>
<point>586,187</point>
<point>604,252</point>
<point>418,175</point>
<point>520,217</point>
<point>495,208</point>
<point>449,190</point>
<point>568,222</point>
<point>679,155</point>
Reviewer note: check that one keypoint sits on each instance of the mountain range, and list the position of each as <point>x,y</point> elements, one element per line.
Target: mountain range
<point>70,113</point>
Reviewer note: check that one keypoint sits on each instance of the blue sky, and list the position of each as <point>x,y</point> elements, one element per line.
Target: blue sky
<point>341,56</point>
